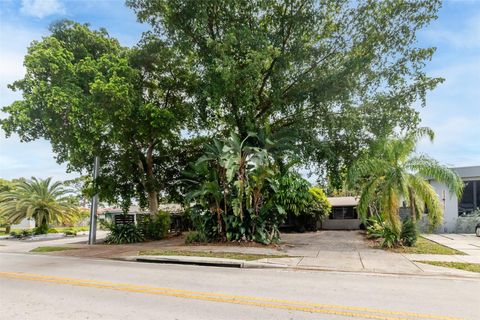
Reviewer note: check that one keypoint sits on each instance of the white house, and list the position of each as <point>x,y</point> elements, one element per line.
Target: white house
<point>454,207</point>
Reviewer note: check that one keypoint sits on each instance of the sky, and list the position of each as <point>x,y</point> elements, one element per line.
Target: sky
<point>452,111</point>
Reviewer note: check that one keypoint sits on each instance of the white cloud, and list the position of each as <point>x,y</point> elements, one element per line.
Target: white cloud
<point>41,8</point>
<point>466,35</point>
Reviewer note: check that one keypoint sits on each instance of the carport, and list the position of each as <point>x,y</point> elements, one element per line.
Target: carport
<point>344,214</point>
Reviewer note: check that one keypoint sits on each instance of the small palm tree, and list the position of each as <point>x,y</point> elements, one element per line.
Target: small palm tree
<point>391,173</point>
<point>38,199</point>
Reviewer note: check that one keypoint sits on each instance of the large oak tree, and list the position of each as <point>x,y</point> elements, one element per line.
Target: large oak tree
<point>89,96</point>
<point>340,73</point>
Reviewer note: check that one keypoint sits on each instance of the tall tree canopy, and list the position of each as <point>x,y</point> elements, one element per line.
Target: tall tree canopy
<point>90,96</point>
<point>340,73</point>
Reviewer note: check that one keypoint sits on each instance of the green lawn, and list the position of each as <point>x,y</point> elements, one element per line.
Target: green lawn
<point>473,267</point>
<point>51,249</point>
<point>210,254</point>
<point>425,246</point>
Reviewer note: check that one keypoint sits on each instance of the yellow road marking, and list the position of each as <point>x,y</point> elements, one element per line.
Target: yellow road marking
<point>368,313</point>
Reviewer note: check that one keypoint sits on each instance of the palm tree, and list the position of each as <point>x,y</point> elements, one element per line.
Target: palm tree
<point>390,173</point>
<point>42,200</point>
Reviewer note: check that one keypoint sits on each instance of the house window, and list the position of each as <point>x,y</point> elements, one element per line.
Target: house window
<point>470,197</point>
<point>343,213</point>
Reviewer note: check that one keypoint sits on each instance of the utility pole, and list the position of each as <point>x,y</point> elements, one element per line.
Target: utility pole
<point>92,234</point>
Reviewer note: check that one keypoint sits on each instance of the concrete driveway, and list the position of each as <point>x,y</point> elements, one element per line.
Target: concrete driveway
<point>350,251</point>
<point>343,251</point>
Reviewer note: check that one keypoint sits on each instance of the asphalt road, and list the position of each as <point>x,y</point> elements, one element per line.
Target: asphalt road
<point>50,287</point>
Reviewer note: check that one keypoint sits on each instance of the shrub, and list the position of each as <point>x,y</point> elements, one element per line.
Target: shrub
<point>195,236</point>
<point>52,230</point>
<point>27,232</point>
<point>377,228</point>
<point>15,234</point>
<point>155,227</point>
<point>123,233</point>
<point>409,233</point>
<point>390,237</point>
<point>41,229</point>
<point>70,232</point>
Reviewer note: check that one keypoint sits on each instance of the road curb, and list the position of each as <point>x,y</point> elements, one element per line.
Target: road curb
<point>205,261</point>
<point>242,264</point>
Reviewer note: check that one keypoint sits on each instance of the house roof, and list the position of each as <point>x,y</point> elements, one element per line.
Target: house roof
<point>468,172</point>
<point>115,209</point>
<point>343,201</point>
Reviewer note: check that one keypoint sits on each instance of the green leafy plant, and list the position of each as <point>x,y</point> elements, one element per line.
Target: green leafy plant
<point>155,227</point>
<point>375,227</point>
<point>409,233</point>
<point>70,232</point>
<point>378,228</point>
<point>27,232</point>
<point>123,233</point>
<point>42,229</point>
<point>390,237</point>
<point>195,237</point>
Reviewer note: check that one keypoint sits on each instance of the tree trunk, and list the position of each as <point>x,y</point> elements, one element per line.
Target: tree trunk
<point>152,193</point>
<point>152,202</point>
<point>413,210</point>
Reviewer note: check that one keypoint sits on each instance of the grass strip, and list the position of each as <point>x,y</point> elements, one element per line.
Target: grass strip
<point>211,254</point>
<point>473,267</point>
<point>51,249</point>
<point>425,246</point>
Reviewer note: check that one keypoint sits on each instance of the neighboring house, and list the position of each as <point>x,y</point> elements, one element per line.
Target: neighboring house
<point>24,224</point>
<point>343,215</point>
<point>109,213</point>
<point>455,209</point>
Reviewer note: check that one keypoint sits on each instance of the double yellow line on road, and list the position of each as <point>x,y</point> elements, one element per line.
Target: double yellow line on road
<point>346,311</point>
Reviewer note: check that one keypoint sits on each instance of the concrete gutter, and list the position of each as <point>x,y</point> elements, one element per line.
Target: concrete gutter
<point>204,261</point>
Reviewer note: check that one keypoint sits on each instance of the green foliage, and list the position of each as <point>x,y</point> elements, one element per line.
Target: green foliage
<point>123,233</point>
<point>195,237</point>
<point>375,227</point>
<point>233,186</point>
<point>378,228</point>
<point>70,232</point>
<point>52,230</point>
<point>294,195</point>
<point>390,237</point>
<point>340,72</point>
<point>41,229</point>
<point>409,233</point>
<point>321,206</point>
<point>43,200</point>
<point>389,173</point>
<point>88,96</point>
<point>27,232</point>
<point>155,227</point>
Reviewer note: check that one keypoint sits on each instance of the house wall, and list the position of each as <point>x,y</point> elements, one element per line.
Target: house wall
<point>449,205</point>
<point>450,201</point>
